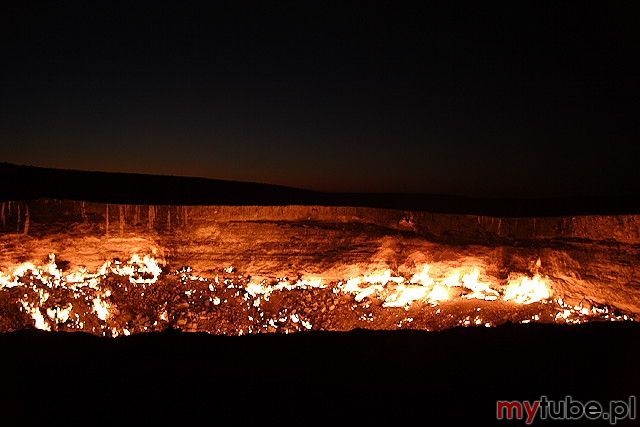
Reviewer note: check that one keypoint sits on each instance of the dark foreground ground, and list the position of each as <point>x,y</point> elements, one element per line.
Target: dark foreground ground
<point>332,377</point>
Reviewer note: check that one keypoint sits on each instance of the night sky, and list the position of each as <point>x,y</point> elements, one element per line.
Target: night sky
<point>512,99</point>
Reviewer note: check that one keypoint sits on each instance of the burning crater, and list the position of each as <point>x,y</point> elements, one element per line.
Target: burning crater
<point>124,269</point>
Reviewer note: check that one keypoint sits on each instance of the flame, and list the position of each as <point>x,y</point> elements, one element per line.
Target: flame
<point>479,290</point>
<point>525,290</point>
<point>138,269</point>
<point>353,286</point>
<point>439,292</point>
<point>405,295</point>
<point>101,308</point>
<point>36,314</point>
<point>422,288</point>
<point>423,277</point>
<point>60,315</point>
<point>264,289</point>
<point>375,283</point>
<point>432,284</point>
<point>145,270</point>
<point>436,290</point>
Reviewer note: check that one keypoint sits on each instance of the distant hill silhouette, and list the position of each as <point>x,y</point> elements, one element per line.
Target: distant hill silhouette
<point>28,182</point>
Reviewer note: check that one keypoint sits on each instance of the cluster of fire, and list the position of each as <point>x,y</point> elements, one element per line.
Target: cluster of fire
<point>119,270</point>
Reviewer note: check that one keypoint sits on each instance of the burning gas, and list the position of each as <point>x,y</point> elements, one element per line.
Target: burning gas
<point>140,294</point>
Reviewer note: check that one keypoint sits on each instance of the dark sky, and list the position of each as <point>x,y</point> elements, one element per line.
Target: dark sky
<point>513,98</point>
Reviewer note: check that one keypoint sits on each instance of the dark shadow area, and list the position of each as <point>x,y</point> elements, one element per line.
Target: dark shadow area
<point>27,182</point>
<point>361,375</point>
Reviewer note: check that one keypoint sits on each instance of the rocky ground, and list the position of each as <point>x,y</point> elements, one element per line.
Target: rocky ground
<point>234,304</point>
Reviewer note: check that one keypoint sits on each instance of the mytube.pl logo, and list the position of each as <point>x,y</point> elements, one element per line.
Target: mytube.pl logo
<point>566,409</point>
